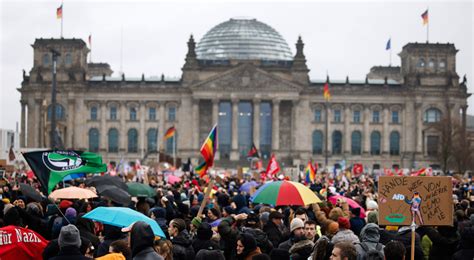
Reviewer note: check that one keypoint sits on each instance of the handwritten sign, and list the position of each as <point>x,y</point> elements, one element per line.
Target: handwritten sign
<point>425,200</point>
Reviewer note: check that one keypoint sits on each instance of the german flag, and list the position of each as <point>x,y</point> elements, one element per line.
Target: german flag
<point>170,132</point>
<point>424,16</point>
<point>326,93</point>
<point>59,12</point>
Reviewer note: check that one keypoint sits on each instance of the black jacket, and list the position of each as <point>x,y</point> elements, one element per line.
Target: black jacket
<point>466,246</point>
<point>111,234</point>
<point>182,248</point>
<point>404,236</point>
<point>445,241</point>
<point>141,242</point>
<point>70,253</point>
<point>274,234</point>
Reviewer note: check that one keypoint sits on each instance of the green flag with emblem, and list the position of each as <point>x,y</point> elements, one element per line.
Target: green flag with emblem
<point>50,167</point>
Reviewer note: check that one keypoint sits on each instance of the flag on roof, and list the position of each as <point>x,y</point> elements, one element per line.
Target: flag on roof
<point>59,12</point>
<point>424,16</point>
<point>389,44</point>
<point>326,93</point>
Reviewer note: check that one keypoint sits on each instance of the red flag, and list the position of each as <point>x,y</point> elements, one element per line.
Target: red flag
<point>357,169</point>
<point>419,172</point>
<point>253,153</point>
<point>387,172</point>
<point>21,243</point>
<point>273,167</point>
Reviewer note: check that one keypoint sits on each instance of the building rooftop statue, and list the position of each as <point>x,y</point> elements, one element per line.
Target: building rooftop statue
<point>243,39</point>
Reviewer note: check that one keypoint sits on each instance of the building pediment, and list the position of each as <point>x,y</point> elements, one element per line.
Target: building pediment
<point>246,78</point>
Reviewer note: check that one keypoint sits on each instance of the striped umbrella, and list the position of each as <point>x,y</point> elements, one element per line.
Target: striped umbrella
<point>284,193</point>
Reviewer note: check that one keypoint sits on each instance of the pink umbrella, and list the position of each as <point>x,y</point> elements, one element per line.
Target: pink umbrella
<point>173,179</point>
<point>333,199</point>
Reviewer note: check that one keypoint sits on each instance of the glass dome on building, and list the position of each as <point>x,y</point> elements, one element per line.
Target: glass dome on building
<point>243,39</point>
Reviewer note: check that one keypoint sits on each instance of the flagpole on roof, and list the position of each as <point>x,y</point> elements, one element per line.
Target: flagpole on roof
<point>62,19</point>
<point>428,26</point>
<point>390,60</point>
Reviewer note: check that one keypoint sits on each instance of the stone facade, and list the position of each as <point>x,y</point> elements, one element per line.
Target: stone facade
<point>390,100</point>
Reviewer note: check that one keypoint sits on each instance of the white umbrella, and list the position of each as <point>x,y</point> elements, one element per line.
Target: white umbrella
<point>73,193</point>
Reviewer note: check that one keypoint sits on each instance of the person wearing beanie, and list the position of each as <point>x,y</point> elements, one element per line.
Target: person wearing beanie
<point>357,223</point>
<point>246,247</point>
<point>297,234</point>
<point>203,239</point>
<point>69,243</point>
<point>344,234</point>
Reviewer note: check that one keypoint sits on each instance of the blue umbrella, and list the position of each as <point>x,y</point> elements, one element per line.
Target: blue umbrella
<point>122,217</point>
<point>248,186</point>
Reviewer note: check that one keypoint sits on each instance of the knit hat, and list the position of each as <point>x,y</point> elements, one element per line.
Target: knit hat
<point>333,228</point>
<point>196,221</point>
<point>69,236</point>
<point>296,223</point>
<point>373,217</point>
<point>343,223</point>
<point>65,204</point>
<point>372,205</point>
<point>70,213</point>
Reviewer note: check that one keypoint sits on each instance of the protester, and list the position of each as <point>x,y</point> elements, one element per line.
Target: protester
<point>182,244</point>
<point>141,241</point>
<point>246,247</point>
<point>69,243</point>
<point>344,251</point>
<point>394,250</point>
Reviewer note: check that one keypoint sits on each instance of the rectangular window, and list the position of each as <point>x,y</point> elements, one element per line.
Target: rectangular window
<point>337,116</point>
<point>113,113</point>
<point>376,117</point>
<point>171,114</point>
<point>317,116</point>
<point>94,113</point>
<point>133,114</point>
<point>152,114</point>
<point>395,119</point>
<point>356,116</point>
<point>432,145</point>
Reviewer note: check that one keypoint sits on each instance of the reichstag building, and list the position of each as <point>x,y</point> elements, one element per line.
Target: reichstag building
<point>243,76</point>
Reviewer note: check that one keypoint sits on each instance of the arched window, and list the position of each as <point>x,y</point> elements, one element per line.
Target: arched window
<point>93,140</point>
<point>431,64</point>
<point>132,140</point>
<point>375,143</point>
<point>152,137</point>
<point>94,113</point>
<point>336,142</point>
<point>68,59</point>
<point>46,59</point>
<point>113,140</point>
<point>432,115</point>
<point>356,146</point>
<point>317,142</point>
<point>133,114</point>
<point>394,143</point>
<point>60,112</point>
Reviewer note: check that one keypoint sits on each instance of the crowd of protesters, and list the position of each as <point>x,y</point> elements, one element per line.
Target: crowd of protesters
<point>231,227</point>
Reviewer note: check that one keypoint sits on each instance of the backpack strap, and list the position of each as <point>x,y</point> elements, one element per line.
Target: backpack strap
<point>378,247</point>
<point>364,246</point>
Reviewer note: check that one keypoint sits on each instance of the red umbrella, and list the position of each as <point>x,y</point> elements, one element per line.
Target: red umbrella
<point>350,202</point>
<point>21,243</point>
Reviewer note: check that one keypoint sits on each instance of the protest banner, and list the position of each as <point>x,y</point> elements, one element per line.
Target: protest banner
<point>425,200</point>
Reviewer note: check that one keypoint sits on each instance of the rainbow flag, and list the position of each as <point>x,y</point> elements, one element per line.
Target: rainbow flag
<point>201,169</point>
<point>59,12</point>
<point>209,147</point>
<point>170,132</point>
<point>310,173</point>
<point>424,16</point>
<point>326,93</point>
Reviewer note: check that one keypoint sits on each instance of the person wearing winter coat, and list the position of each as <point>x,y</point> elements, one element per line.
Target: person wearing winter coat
<point>141,242</point>
<point>344,234</point>
<point>404,236</point>
<point>86,229</point>
<point>466,245</point>
<point>246,247</point>
<point>229,235</point>
<point>69,243</point>
<point>301,249</point>
<point>445,241</point>
<point>203,239</point>
<point>370,237</point>
<point>111,234</point>
<point>297,234</point>
<point>182,244</point>
<point>272,228</point>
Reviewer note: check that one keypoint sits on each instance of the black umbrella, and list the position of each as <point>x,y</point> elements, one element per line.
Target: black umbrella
<point>114,193</point>
<point>97,181</point>
<point>30,192</point>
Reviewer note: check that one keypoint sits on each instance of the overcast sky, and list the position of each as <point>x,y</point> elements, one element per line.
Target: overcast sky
<point>345,38</point>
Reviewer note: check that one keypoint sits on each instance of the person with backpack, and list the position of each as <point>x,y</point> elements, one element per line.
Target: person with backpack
<point>369,248</point>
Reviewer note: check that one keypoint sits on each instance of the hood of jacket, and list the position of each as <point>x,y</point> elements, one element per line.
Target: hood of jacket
<point>141,237</point>
<point>304,246</point>
<point>370,233</point>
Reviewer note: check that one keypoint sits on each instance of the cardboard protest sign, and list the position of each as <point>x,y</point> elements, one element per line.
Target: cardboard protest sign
<point>426,200</point>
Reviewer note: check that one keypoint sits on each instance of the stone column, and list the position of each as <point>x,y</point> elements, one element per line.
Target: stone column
<point>70,123</point>
<point>256,123</point>
<point>234,154</point>
<point>142,140</point>
<point>161,131</point>
<point>195,126</point>
<point>23,125</point>
<point>347,131</point>
<point>463,120</point>
<point>276,125</point>
<point>39,127</point>
<point>215,119</point>
<point>386,130</point>
<point>103,127</point>
<point>366,147</point>
<point>328,116</point>
<point>419,128</point>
